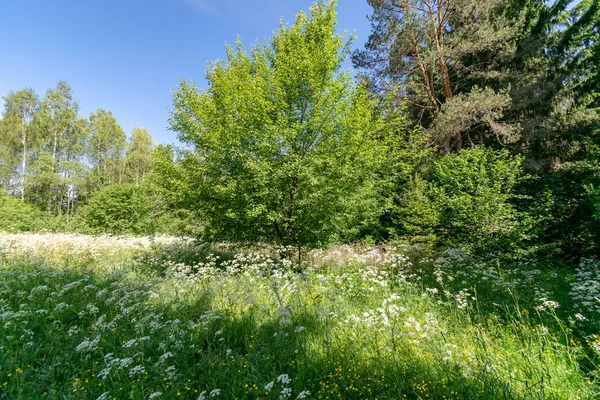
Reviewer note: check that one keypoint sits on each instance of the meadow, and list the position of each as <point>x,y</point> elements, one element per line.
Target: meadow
<point>85,317</point>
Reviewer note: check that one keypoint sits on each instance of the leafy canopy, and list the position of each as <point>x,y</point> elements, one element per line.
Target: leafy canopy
<point>283,141</point>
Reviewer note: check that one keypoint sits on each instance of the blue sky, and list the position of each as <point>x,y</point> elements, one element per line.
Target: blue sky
<point>127,55</point>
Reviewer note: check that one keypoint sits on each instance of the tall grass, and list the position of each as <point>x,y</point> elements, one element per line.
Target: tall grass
<point>173,321</point>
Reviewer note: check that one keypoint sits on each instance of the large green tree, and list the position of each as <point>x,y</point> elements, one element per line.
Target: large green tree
<point>555,80</point>
<point>138,159</point>
<point>284,145</point>
<point>19,110</point>
<point>106,145</point>
<point>9,155</point>
<point>55,122</point>
<point>443,59</point>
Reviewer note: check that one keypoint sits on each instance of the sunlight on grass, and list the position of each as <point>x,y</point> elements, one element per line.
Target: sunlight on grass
<point>134,321</point>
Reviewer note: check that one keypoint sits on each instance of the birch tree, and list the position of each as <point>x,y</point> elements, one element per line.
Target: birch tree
<point>19,109</point>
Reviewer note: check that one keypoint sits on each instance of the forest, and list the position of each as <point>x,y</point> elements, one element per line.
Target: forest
<point>424,224</point>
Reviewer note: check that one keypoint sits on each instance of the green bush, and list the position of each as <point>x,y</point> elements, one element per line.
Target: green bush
<point>18,216</point>
<point>464,200</point>
<point>119,209</point>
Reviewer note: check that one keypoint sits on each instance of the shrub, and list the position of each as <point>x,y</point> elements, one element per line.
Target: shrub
<point>465,199</point>
<point>17,215</point>
<point>119,209</point>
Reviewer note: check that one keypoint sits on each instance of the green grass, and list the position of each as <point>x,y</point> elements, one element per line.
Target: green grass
<point>355,324</point>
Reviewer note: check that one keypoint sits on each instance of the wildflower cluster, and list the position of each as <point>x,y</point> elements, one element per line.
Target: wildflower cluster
<point>374,325</point>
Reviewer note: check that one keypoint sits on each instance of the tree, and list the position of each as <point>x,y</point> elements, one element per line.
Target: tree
<point>55,122</point>
<point>9,155</point>
<point>441,57</point>
<point>19,109</point>
<point>465,200</point>
<point>138,159</point>
<point>555,88</point>
<point>284,147</point>
<point>58,112</point>
<point>106,143</point>
<point>555,81</point>
<point>73,166</point>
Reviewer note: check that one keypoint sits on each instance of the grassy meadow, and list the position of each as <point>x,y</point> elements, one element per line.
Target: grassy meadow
<point>84,317</point>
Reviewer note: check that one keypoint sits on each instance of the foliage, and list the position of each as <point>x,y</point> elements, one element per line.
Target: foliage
<point>119,209</point>
<point>284,141</point>
<point>443,59</point>
<point>555,90</point>
<point>16,215</point>
<point>465,200</point>
<point>138,159</point>
<point>570,228</point>
<point>82,317</point>
<point>106,145</point>
<point>19,110</point>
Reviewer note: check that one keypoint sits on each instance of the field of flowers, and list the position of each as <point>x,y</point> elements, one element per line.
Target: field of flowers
<point>86,317</point>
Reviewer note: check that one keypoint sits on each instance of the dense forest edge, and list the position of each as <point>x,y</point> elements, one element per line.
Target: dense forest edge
<point>485,137</point>
<point>423,225</point>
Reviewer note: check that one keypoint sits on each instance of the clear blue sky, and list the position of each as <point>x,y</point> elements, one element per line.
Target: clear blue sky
<point>127,55</point>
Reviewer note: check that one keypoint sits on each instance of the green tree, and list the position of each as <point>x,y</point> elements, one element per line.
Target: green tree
<point>555,87</point>
<point>9,155</point>
<point>58,112</point>
<point>19,109</point>
<point>443,59</point>
<point>106,144</point>
<point>465,200</point>
<point>138,159</point>
<point>118,209</point>
<point>55,121</point>
<point>72,165</point>
<point>284,145</point>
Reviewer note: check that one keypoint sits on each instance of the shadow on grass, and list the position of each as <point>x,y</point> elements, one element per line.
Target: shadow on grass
<point>188,344</point>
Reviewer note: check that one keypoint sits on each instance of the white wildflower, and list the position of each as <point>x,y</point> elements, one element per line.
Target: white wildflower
<point>103,396</point>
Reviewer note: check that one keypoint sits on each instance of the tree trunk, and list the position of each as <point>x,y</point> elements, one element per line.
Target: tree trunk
<point>54,151</point>
<point>23,161</point>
